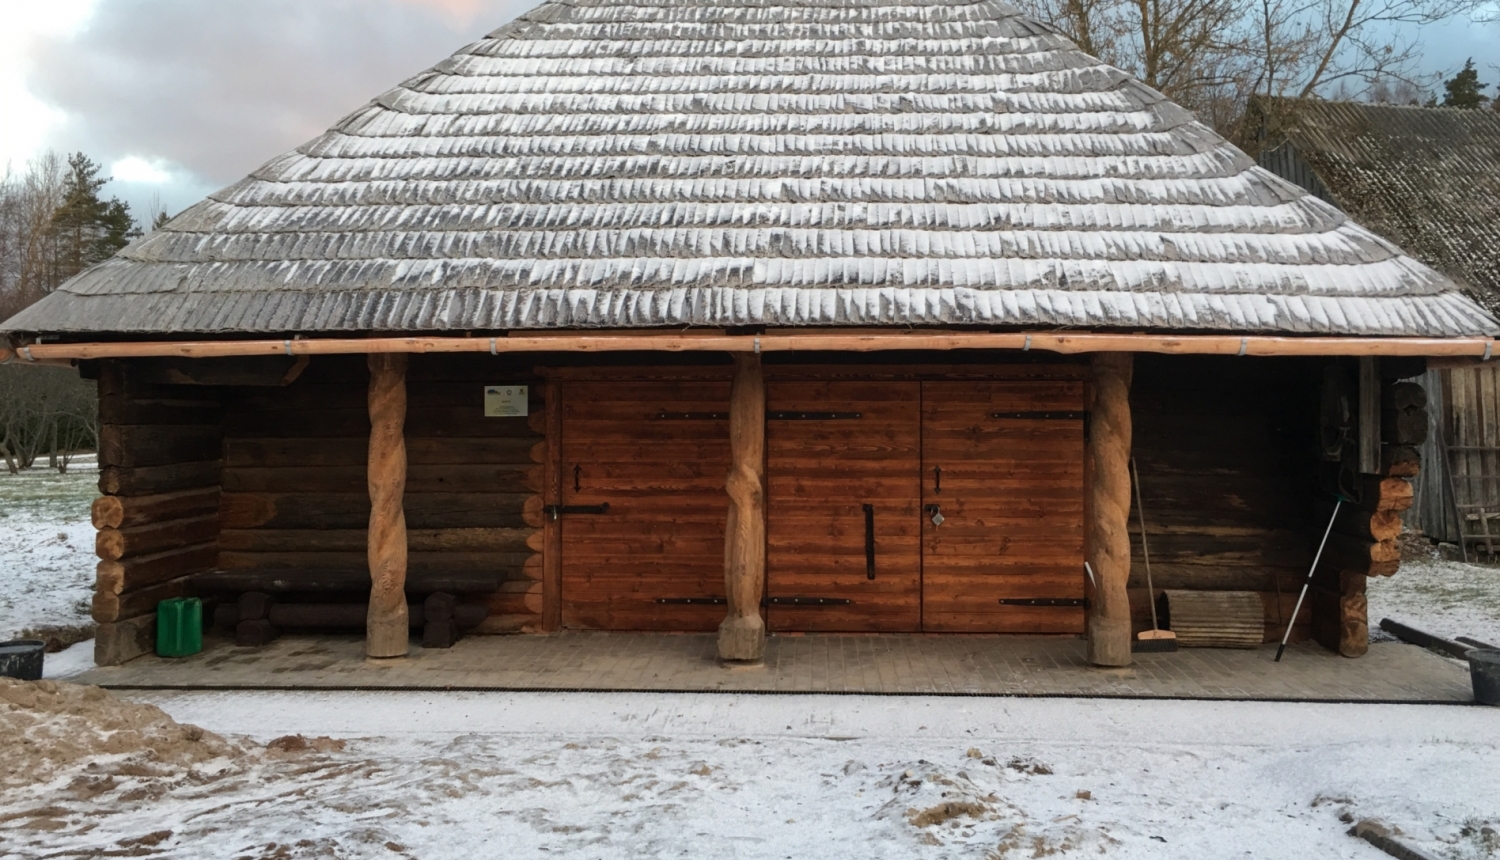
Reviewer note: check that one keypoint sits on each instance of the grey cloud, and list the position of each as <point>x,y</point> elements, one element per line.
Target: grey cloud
<point>220,87</point>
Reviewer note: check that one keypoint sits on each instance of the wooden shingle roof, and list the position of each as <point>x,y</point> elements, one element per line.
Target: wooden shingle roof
<point>1427,179</point>
<point>603,164</point>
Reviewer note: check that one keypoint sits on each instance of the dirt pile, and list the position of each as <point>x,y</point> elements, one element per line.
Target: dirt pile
<point>46,726</point>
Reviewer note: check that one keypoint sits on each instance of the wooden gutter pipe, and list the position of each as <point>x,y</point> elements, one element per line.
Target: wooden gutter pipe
<point>1474,348</point>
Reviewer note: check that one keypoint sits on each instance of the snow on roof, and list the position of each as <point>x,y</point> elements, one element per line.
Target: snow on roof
<point>602,164</point>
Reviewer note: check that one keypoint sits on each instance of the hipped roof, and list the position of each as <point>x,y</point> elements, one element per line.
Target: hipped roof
<point>602,164</point>
<point>1427,179</point>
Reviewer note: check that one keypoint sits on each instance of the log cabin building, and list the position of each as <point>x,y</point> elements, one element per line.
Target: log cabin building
<point>1428,180</point>
<point>805,316</point>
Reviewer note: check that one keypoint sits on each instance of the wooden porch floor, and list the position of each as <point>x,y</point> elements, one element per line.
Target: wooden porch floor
<point>887,664</point>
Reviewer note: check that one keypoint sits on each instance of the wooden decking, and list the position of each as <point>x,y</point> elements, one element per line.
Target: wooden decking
<point>836,664</point>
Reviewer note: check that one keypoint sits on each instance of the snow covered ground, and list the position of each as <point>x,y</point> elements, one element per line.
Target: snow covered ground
<point>625,775</point>
<point>46,547</point>
<point>1448,598</point>
<point>612,775</point>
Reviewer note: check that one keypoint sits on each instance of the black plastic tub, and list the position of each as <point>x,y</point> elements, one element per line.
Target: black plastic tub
<point>22,658</point>
<point>1484,669</point>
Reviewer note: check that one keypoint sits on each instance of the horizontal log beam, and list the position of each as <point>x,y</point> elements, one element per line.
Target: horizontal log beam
<point>872,341</point>
<point>307,580</point>
<point>113,544</point>
<point>123,512</point>
<point>131,446</point>
<point>354,540</point>
<point>116,577</point>
<point>110,607</point>
<point>154,480</point>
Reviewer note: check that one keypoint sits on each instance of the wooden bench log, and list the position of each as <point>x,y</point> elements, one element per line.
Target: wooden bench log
<point>311,581</point>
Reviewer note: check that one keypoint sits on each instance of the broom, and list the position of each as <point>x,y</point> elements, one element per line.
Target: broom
<point>1155,639</point>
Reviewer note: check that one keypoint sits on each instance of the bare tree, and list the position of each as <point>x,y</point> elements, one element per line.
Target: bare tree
<point>28,244</point>
<point>45,410</point>
<point>1213,56</point>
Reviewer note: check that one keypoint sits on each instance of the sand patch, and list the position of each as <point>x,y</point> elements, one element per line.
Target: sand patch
<point>47,727</point>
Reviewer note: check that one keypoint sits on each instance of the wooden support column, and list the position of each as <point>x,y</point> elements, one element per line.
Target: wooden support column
<point>386,625</point>
<point>1106,539</point>
<point>742,636</point>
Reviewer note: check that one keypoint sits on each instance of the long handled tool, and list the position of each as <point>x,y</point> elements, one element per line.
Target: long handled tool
<point>1307,582</point>
<point>1155,639</point>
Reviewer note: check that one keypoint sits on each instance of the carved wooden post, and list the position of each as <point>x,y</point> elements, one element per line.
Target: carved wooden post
<point>1106,540</point>
<point>386,626</point>
<point>742,636</point>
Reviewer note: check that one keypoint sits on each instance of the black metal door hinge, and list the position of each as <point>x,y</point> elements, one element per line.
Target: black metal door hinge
<point>814,416</point>
<point>555,511</point>
<point>1045,601</point>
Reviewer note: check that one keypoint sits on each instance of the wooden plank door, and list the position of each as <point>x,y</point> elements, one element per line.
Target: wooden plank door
<point>1003,463</point>
<point>842,469</point>
<point>657,454</point>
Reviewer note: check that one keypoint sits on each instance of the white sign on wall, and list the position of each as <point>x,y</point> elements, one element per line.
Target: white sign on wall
<point>506,401</point>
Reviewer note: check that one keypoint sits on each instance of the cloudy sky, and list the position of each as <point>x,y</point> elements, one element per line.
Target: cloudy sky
<point>180,97</point>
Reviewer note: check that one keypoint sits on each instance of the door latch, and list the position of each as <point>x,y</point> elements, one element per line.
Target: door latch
<point>936,512</point>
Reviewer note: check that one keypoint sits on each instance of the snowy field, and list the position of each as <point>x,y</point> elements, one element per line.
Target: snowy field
<point>1448,598</point>
<point>463,775</point>
<point>46,547</point>
<point>727,776</point>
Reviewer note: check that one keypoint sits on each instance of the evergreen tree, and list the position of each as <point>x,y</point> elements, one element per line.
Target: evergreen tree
<point>160,220</point>
<point>89,229</point>
<point>1463,88</point>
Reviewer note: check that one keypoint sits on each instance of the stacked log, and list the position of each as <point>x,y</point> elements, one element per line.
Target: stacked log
<point>160,448</point>
<point>295,472</point>
<point>1364,540</point>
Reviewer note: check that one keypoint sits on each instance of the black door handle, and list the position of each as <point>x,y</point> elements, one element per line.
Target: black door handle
<point>937,479</point>
<point>577,478</point>
<point>869,541</point>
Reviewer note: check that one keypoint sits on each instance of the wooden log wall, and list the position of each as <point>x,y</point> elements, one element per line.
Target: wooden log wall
<point>157,520</point>
<point>1364,540</point>
<point>1227,454</point>
<point>294,478</point>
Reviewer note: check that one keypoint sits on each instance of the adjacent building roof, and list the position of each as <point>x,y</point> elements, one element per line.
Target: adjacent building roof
<point>1427,179</point>
<point>603,164</point>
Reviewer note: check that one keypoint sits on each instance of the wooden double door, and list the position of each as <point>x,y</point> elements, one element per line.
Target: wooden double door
<point>939,506</point>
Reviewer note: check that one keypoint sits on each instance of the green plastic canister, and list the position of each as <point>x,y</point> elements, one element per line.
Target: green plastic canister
<point>179,627</point>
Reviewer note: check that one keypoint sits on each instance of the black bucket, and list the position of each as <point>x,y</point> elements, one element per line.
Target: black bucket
<point>22,658</point>
<point>1484,669</point>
